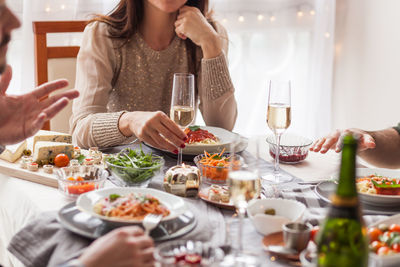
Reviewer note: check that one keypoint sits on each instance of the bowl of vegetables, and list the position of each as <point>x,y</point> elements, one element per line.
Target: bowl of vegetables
<point>134,167</point>
<point>214,168</point>
<point>73,184</point>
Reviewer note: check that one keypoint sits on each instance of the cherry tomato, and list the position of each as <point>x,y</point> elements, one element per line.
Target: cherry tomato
<point>374,233</point>
<point>80,179</point>
<point>376,245</point>
<point>396,247</point>
<point>314,232</point>
<point>394,228</point>
<point>383,251</point>
<point>61,160</point>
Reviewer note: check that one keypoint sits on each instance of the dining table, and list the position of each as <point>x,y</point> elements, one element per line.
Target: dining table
<point>22,201</point>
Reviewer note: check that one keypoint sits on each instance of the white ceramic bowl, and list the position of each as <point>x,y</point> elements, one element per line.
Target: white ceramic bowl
<point>286,211</point>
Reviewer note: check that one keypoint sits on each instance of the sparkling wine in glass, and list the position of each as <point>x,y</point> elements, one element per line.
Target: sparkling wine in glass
<point>278,120</point>
<point>244,185</point>
<point>182,103</point>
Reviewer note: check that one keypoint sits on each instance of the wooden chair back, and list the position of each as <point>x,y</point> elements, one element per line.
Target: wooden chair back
<point>43,52</point>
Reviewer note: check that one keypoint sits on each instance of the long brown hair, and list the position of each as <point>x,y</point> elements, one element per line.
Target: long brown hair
<point>125,19</point>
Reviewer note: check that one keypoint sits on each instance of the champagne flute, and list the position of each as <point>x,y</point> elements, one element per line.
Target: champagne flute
<point>182,103</point>
<point>278,120</point>
<point>244,185</point>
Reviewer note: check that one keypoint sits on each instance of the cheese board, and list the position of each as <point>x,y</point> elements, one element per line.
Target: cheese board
<point>35,159</point>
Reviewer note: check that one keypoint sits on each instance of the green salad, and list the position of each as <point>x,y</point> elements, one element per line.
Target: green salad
<point>134,166</point>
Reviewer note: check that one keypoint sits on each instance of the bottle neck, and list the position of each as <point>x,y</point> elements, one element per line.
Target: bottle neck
<point>347,179</point>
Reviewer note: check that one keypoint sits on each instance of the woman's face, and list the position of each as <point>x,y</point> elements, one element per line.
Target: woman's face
<point>168,6</point>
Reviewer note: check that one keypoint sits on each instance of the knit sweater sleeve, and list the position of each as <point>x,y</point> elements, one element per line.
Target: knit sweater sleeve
<point>216,92</point>
<point>91,124</point>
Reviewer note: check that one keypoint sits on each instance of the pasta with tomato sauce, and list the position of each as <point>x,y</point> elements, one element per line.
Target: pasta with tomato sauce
<point>130,207</point>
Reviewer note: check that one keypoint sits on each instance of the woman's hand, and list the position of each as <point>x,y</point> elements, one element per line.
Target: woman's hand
<point>123,247</point>
<point>333,141</point>
<point>193,25</point>
<point>154,128</point>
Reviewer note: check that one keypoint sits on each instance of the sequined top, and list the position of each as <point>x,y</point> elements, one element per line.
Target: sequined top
<point>112,80</point>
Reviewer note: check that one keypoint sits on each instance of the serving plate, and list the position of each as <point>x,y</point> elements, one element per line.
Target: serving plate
<point>379,200</point>
<point>226,138</point>
<point>325,188</point>
<point>86,202</point>
<point>203,194</point>
<point>84,224</point>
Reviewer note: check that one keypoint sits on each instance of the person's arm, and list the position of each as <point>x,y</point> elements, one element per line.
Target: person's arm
<point>91,123</point>
<point>217,100</point>
<point>216,92</point>
<point>386,153</point>
<point>380,148</point>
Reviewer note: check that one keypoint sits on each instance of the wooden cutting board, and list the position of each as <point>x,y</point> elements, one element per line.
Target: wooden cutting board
<point>40,177</point>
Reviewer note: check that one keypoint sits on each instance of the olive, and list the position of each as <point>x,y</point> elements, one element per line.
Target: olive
<point>270,212</point>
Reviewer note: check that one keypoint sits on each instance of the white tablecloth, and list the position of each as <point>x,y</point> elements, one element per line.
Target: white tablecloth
<point>21,201</point>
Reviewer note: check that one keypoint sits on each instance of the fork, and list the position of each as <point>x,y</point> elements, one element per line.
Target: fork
<point>150,222</point>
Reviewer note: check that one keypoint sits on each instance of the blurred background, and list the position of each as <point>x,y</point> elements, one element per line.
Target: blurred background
<point>341,57</point>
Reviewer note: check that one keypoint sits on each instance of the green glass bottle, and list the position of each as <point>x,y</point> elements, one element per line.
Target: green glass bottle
<point>342,240</point>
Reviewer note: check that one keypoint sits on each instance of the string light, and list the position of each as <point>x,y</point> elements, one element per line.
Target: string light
<point>240,18</point>
<point>48,9</point>
<point>312,12</point>
<point>224,20</point>
<point>260,17</point>
<point>272,18</point>
<point>300,13</point>
<point>62,7</point>
<point>327,35</point>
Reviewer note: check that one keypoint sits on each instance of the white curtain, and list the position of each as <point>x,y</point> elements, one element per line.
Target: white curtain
<point>281,40</point>
<point>269,39</point>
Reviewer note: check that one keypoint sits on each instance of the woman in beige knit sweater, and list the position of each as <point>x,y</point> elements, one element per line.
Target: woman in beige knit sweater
<point>125,69</point>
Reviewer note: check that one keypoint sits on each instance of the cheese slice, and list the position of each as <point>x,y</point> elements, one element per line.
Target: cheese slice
<point>51,137</point>
<point>45,151</point>
<point>14,152</point>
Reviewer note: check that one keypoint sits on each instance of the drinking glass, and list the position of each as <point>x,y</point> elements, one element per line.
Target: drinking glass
<point>244,185</point>
<point>278,120</point>
<point>182,103</point>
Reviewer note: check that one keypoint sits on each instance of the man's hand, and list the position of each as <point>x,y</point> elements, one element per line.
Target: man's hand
<point>333,141</point>
<point>22,116</point>
<point>123,247</point>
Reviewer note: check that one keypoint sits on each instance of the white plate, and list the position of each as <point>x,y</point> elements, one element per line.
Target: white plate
<point>387,260</point>
<point>86,202</point>
<point>226,138</point>
<point>379,200</point>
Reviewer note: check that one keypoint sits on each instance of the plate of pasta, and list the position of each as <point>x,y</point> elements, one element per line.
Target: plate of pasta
<point>378,187</point>
<point>130,205</point>
<point>210,139</point>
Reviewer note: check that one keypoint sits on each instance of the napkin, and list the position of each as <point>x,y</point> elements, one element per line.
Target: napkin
<point>44,241</point>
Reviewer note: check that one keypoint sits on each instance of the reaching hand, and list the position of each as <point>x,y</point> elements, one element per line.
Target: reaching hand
<point>333,141</point>
<point>126,246</point>
<point>154,128</point>
<point>22,116</point>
